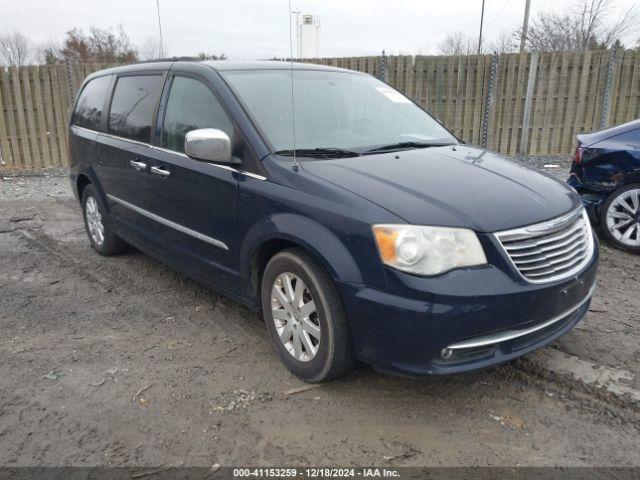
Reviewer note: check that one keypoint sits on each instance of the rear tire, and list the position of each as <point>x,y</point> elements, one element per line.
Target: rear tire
<point>98,224</point>
<point>305,317</point>
<point>620,218</point>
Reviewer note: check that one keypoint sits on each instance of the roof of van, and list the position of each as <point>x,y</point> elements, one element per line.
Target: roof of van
<point>221,65</point>
<point>226,65</point>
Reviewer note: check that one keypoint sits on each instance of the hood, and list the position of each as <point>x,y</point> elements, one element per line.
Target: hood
<point>588,139</point>
<point>454,187</point>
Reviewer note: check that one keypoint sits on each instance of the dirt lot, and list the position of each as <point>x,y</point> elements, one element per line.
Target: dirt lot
<point>121,361</point>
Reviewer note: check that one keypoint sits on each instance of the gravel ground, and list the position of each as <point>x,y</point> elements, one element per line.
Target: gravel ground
<point>122,361</point>
<point>555,165</point>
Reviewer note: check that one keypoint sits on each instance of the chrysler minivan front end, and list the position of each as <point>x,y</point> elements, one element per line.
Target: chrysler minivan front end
<point>477,316</point>
<point>489,259</point>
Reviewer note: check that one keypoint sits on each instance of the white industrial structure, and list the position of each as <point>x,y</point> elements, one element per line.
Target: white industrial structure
<point>308,36</point>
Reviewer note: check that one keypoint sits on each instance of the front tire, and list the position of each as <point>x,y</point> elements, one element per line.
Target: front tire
<point>98,225</point>
<point>620,219</point>
<point>305,317</point>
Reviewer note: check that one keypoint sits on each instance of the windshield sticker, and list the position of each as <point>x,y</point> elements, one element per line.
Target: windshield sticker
<point>392,95</point>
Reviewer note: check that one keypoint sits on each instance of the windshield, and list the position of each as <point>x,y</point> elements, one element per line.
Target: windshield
<point>334,110</point>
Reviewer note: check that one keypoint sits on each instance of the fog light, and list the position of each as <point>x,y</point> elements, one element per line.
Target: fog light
<point>446,353</point>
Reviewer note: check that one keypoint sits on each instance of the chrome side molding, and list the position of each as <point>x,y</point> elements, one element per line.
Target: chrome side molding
<point>176,226</point>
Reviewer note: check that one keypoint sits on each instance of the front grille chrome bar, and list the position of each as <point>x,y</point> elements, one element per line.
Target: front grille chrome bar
<point>504,335</point>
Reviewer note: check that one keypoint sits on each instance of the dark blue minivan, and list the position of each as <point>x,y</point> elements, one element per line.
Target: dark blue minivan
<point>358,225</point>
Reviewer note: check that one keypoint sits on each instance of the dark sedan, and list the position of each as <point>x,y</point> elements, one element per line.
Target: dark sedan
<point>606,172</point>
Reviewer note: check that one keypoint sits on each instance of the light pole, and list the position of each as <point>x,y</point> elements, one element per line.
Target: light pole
<point>160,28</point>
<point>525,26</point>
<point>480,36</point>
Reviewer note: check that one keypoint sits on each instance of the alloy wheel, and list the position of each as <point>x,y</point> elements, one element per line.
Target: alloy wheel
<point>623,218</point>
<point>94,220</point>
<point>295,316</point>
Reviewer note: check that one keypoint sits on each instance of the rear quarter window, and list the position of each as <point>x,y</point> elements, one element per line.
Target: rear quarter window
<point>88,113</point>
<point>132,106</point>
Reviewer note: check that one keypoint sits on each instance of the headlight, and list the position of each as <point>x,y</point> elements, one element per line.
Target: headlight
<point>428,250</point>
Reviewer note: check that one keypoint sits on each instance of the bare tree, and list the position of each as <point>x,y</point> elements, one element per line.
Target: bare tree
<point>151,49</point>
<point>15,49</point>
<point>457,43</point>
<point>505,42</point>
<point>587,24</point>
<point>209,56</point>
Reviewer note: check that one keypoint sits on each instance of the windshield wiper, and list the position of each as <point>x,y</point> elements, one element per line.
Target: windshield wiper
<point>327,152</point>
<point>406,145</point>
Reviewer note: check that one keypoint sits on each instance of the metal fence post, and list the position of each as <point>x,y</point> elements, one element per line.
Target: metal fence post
<point>488,101</point>
<point>606,95</point>
<point>382,74</point>
<point>70,83</point>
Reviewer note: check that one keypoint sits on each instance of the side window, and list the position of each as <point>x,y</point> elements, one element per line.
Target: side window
<point>132,106</point>
<point>88,112</point>
<point>191,106</point>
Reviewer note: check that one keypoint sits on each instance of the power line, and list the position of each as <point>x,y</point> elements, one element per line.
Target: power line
<point>492,20</point>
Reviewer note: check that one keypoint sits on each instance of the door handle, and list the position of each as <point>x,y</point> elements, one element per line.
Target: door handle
<point>137,165</point>
<point>160,171</point>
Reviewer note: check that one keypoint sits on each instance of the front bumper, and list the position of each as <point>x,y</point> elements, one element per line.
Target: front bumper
<point>482,316</point>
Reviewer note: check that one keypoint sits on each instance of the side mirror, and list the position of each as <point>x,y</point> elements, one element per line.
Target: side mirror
<point>209,144</point>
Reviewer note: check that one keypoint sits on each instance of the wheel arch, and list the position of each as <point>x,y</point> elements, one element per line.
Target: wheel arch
<point>283,231</point>
<point>88,177</point>
<point>81,183</point>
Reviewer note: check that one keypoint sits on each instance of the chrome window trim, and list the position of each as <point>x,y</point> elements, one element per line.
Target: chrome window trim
<point>200,236</point>
<point>505,335</point>
<point>552,226</point>
<point>166,150</point>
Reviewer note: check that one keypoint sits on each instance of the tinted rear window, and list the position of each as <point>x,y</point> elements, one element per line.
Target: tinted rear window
<point>88,112</point>
<point>132,106</point>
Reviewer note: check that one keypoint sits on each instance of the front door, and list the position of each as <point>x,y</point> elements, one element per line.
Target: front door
<point>195,202</point>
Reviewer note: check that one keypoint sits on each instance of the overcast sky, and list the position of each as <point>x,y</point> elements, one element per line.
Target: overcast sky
<point>252,29</point>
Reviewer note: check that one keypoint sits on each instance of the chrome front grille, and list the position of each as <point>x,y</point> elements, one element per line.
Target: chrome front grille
<point>552,250</point>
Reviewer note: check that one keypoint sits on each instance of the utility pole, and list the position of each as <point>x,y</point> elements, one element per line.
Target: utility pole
<point>525,26</point>
<point>480,36</point>
<point>160,28</point>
